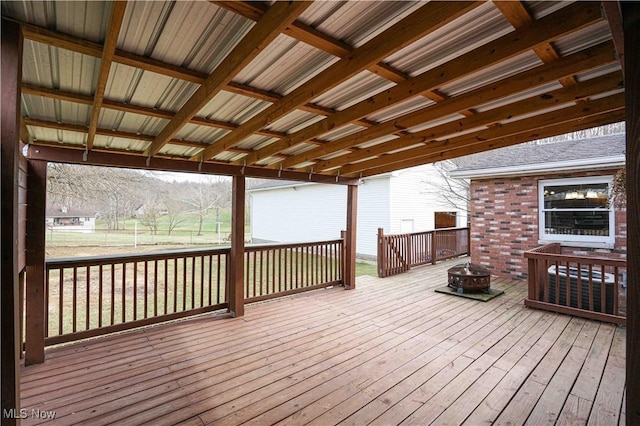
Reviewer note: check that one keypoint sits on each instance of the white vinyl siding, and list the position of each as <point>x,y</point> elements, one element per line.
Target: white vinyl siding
<point>299,213</point>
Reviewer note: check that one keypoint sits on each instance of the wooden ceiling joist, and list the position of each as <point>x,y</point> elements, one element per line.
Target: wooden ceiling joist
<point>563,26</point>
<point>608,117</point>
<point>428,18</point>
<point>533,105</point>
<point>274,21</point>
<point>609,104</point>
<point>30,89</point>
<point>544,30</point>
<point>594,57</point>
<point>113,31</point>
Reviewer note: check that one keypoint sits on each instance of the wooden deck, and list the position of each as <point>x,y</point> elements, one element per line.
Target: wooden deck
<point>390,352</point>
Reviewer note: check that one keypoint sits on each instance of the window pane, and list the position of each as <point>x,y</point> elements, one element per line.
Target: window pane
<point>577,223</point>
<point>588,196</point>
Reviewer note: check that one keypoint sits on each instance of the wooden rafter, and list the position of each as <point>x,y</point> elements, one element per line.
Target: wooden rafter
<point>113,31</point>
<point>426,19</point>
<point>274,21</point>
<point>614,17</point>
<point>134,109</point>
<point>551,27</point>
<point>540,75</point>
<point>519,17</point>
<point>532,105</point>
<point>86,47</point>
<point>582,123</point>
<point>116,133</point>
<point>427,152</point>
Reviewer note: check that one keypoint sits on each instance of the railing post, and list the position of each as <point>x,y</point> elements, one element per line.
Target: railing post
<point>350,240</point>
<point>235,293</point>
<point>409,250</point>
<point>381,258</point>
<point>434,251</point>
<point>532,278</point>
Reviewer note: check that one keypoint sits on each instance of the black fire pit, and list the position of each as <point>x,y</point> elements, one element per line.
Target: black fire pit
<point>469,278</point>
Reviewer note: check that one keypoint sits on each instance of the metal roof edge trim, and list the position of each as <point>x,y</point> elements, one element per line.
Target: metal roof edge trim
<point>597,163</point>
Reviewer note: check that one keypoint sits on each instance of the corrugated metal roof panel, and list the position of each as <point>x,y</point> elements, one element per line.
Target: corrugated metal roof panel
<point>597,72</point>
<point>284,65</point>
<point>477,27</point>
<point>540,9</point>
<point>357,22</point>
<point>196,35</point>
<point>54,135</point>
<point>491,74</point>
<point>179,150</point>
<point>82,19</point>
<point>294,121</point>
<point>341,132</point>
<point>358,88</point>
<point>256,142</point>
<point>55,110</point>
<point>377,141</point>
<point>229,107</point>
<point>119,143</point>
<point>587,37</point>
<point>436,122</point>
<point>197,133</point>
<point>518,97</point>
<point>405,107</point>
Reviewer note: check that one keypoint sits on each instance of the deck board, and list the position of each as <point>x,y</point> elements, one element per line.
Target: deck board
<point>393,351</point>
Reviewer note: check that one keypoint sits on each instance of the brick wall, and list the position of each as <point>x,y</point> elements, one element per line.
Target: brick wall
<point>504,224</point>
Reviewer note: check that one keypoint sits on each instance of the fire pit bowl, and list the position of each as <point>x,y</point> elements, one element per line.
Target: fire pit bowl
<point>469,278</point>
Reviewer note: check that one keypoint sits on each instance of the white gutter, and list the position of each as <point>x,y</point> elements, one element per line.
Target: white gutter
<point>585,164</point>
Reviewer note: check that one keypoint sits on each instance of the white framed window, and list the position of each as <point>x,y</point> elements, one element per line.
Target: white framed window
<point>576,211</point>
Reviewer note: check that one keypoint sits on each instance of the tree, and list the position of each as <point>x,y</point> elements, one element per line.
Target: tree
<point>204,196</point>
<point>452,193</point>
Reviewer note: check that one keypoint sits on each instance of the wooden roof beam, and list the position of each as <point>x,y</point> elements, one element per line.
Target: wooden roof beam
<point>116,133</point>
<point>569,19</point>
<point>109,48</point>
<point>610,104</point>
<point>543,74</point>
<point>614,17</point>
<point>519,17</point>
<point>309,35</point>
<point>131,160</point>
<point>428,18</point>
<point>31,89</point>
<point>274,21</point>
<point>533,104</point>
<point>548,131</point>
<point>86,47</point>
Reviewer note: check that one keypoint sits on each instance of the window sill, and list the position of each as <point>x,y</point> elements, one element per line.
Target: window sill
<point>583,244</point>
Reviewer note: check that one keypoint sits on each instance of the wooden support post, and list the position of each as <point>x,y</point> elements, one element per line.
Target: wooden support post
<point>236,257</point>
<point>35,286</point>
<point>350,240</point>
<point>631,25</point>
<point>11,76</point>
<point>381,258</point>
<point>434,251</point>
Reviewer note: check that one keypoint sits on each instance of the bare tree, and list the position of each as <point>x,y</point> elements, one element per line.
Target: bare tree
<point>450,192</point>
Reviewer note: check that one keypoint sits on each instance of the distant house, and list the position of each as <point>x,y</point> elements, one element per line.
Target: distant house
<point>398,202</point>
<point>61,218</point>
<point>528,195</point>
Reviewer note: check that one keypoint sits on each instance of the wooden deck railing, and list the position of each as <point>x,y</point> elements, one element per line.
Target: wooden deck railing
<point>102,294</point>
<point>588,287</point>
<point>98,295</point>
<point>282,269</point>
<point>398,253</point>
